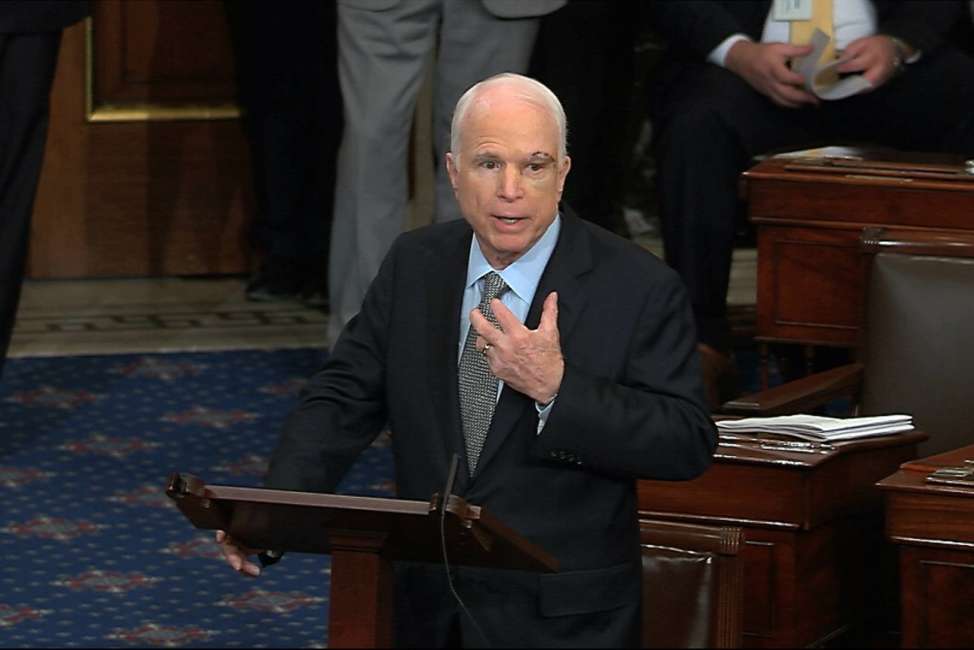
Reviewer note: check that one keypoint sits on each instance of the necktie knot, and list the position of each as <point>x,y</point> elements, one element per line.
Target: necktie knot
<point>494,286</point>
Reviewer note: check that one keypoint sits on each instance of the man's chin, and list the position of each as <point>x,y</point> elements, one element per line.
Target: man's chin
<point>503,250</point>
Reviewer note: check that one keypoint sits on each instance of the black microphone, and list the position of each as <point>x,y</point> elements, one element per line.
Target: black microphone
<point>451,477</point>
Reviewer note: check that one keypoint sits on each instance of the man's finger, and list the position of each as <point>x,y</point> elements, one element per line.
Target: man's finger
<point>505,317</point>
<point>796,96</point>
<point>484,327</point>
<point>549,313</point>
<point>787,77</point>
<point>251,569</point>
<point>855,48</point>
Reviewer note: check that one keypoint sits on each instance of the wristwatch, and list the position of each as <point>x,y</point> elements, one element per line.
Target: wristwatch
<point>903,53</point>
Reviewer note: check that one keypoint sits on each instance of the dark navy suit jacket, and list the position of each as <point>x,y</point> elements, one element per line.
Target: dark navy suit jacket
<point>630,405</point>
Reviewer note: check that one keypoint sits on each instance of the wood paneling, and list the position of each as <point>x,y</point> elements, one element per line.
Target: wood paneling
<point>162,51</point>
<point>809,213</point>
<point>152,195</point>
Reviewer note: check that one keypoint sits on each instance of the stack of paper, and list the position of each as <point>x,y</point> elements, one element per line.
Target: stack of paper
<point>822,79</point>
<point>820,428</point>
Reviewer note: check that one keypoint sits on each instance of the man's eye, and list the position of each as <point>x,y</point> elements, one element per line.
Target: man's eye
<point>489,164</point>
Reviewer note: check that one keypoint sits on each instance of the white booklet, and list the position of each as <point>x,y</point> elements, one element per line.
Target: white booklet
<point>821,79</point>
<point>820,428</point>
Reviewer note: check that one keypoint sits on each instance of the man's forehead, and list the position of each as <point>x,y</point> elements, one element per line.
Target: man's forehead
<point>499,124</point>
<point>488,150</point>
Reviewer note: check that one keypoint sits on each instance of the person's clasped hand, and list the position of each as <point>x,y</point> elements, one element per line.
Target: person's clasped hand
<point>875,57</point>
<point>527,360</point>
<point>765,66</point>
<point>236,554</point>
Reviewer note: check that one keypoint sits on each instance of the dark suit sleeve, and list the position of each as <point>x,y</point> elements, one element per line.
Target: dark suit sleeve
<point>344,407</point>
<point>651,422</point>
<point>924,24</point>
<point>33,16</point>
<point>694,28</point>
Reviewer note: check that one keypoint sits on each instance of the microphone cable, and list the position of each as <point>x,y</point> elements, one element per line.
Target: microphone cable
<point>447,490</point>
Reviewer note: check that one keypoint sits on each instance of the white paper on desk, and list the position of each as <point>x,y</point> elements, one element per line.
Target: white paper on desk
<point>817,427</point>
<point>818,77</point>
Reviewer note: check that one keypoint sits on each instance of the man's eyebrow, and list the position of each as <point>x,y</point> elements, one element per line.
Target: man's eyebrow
<point>542,155</point>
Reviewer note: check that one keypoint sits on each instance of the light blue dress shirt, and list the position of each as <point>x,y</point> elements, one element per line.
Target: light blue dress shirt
<point>522,276</point>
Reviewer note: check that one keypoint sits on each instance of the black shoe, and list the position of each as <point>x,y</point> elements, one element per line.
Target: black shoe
<point>277,279</point>
<point>315,296</point>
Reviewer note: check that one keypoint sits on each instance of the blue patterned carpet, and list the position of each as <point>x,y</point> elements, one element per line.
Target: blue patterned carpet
<point>95,555</point>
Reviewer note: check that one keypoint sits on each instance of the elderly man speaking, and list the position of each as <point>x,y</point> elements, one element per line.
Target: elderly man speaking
<point>556,359</point>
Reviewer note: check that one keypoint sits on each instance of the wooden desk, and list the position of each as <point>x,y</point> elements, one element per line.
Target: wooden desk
<point>932,526</point>
<point>809,209</point>
<point>812,524</point>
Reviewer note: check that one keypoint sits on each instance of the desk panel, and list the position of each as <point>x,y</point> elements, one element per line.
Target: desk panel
<point>809,214</point>
<point>932,526</point>
<point>812,526</point>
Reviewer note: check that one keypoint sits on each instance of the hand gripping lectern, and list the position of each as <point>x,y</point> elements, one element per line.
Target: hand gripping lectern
<point>363,535</point>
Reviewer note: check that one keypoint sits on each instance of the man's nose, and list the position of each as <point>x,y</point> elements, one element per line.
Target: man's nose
<point>510,184</point>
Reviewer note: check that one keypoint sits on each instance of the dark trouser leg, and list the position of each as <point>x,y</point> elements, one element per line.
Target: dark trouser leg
<point>27,64</point>
<point>593,79</point>
<point>709,125</point>
<point>287,76</point>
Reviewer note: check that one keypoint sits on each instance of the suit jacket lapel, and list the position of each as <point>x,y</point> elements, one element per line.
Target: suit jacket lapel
<point>444,290</point>
<point>571,259</point>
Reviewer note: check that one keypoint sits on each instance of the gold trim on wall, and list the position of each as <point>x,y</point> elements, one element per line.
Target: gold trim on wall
<point>144,112</point>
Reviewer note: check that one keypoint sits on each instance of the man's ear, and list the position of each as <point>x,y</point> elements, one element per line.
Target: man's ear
<point>564,167</point>
<point>451,169</point>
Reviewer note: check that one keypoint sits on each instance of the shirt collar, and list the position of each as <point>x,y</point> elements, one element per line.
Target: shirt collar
<point>524,273</point>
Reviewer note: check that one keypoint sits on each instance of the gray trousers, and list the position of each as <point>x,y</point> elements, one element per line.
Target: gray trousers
<point>381,61</point>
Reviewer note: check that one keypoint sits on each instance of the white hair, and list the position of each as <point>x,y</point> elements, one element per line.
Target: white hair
<point>533,91</point>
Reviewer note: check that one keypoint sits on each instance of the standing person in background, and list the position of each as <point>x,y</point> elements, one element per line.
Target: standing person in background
<point>554,358</point>
<point>725,93</point>
<point>594,78</point>
<point>383,49</point>
<point>30,38</point>
<point>287,78</point>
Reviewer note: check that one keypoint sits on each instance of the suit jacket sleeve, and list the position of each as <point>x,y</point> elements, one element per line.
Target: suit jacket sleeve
<point>34,16</point>
<point>343,408</point>
<point>924,24</point>
<point>651,420</point>
<point>694,28</point>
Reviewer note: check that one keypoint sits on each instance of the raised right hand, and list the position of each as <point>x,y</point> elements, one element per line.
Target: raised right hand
<point>765,67</point>
<point>236,554</point>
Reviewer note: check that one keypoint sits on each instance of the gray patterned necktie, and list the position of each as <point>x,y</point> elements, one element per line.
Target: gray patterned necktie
<point>478,385</point>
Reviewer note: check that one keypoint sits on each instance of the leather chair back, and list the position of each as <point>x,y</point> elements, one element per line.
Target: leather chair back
<point>692,585</point>
<point>919,343</point>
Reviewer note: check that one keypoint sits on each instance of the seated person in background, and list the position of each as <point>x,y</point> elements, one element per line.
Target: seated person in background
<point>725,93</point>
<point>587,379</point>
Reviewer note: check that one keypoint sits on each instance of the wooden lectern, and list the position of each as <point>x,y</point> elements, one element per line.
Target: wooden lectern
<point>364,535</point>
<point>930,519</point>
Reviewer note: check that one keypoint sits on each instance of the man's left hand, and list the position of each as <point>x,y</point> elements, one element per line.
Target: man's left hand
<point>876,57</point>
<point>528,361</point>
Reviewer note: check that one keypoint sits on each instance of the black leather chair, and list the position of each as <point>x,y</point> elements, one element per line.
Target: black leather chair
<point>916,355</point>
<point>693,590</point>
